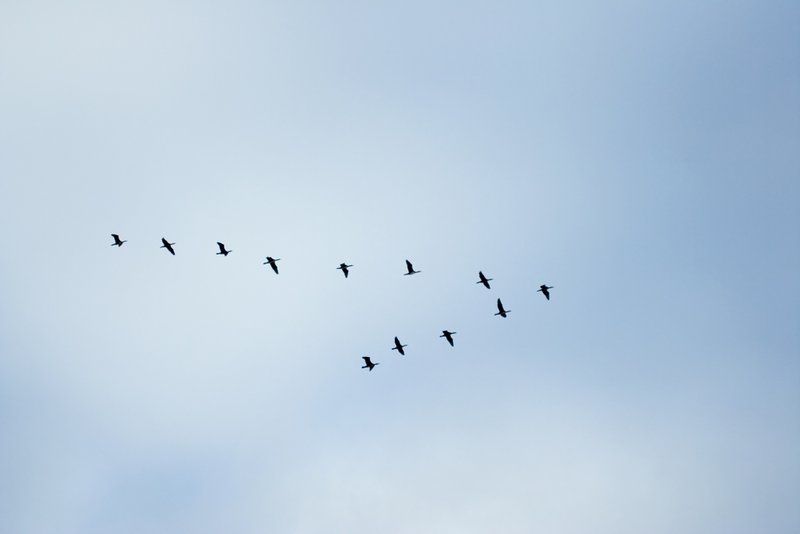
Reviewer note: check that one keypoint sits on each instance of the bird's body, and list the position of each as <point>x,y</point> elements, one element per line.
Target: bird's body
<point>448,336</point>
<point>410,269</point>
<point>272,263</point>
<point>369,365</point>
<point>500,310</point>
<point>544,289</point>
<point>222,249</point>
<point>483,280</point>
<point>344,268</point>
<point>167,245</point>
<point>398,347</point>
<point>117,242</point>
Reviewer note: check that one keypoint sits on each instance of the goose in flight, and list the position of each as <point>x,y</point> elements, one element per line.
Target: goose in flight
<point>368,363</point>
<point>167,245</point>
<point>344,268</point>
<point>448,336</point>
<point>398,347</point>
<point>410,269</point>
<point>271,262</point>
<point>222,249</point>
<point>500,310</point>
<point>483,280</point>
<point>117,241</point>
<point>544,289</point>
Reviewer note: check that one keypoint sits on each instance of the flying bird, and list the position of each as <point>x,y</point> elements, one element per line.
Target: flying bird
<point>544,289</point>
<point>344,267</point>
<point>117,241</point>
<point>368,363</point>
<point>500,310</point>
<point>222,249</point>
<point>272,263</point>
<point>410,269</point>
<point>448,336</point>
<point>398,347</point>
<point>167,245</point>
<point>483,280</point>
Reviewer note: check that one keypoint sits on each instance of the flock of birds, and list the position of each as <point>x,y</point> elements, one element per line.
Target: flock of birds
<point>368,363</point>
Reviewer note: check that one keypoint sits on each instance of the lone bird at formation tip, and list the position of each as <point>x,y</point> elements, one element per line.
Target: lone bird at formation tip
<point>483,280</point>
<point>544,289</point>
<point>117,241</point>
<point>272,263</point>
<point>410,269</point>
<point>398,347</point>
<point>500,310</point>
<point>344,268</point>
<point>368,363</point>
<point>167,245</point>
<point>222,249</point>
<point>448,336</point>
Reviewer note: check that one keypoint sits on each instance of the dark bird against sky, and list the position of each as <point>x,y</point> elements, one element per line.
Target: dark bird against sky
<point>410,269</point>
<point>544,289</point>
<point>448,336</point>
<point>167,245</point>
<point>500,310</point>
<point>222,249</point>
<point>117,241</point>
<point>272,263</point>
<point>398,347</point>
<point>344,267</point>
<point>369,363</point>
<point>483,280</point>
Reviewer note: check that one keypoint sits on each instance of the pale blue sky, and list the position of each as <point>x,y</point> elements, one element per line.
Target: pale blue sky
<point>641,157</point>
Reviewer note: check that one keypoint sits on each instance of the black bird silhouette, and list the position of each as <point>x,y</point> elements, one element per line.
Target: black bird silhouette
<point>410,269</point>
<point>222,249</point>
<point>368,363</point>
<point>500,310</point>
<point>344,267</point>
<point>544,289</point>
<point>117,241</point>
<point>448,336</point>
<point>271,261</point>
<point>167,245</point>
<point>483,280</point>
<point>398,347</point>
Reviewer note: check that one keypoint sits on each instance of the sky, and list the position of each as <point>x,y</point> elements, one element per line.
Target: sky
<point>640,157</point>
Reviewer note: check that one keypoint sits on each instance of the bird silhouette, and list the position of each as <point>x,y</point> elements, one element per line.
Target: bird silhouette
<point>500,310</point>
<point>271,262</point>
<point>368,363</point>
<point>410,269</point>
<point>344,268</point>
<point>117,241</point>
<point>448,336</point>
<point>167,245</point>
<point>483,280</point>
<point>222,249</point>
<point>398,347</point>
<point>544,289</point>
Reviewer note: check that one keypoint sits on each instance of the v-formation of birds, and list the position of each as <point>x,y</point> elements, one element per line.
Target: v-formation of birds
<point>345,268</point>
